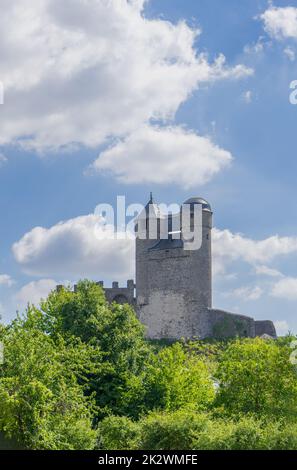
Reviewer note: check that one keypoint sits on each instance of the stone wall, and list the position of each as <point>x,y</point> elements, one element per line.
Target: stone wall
<point>119,294</point>
<point>227,325</point>
<point>174,287</point>
<point>265,327</point>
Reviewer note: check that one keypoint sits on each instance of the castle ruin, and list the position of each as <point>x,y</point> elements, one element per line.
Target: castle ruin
<point>174,285</point>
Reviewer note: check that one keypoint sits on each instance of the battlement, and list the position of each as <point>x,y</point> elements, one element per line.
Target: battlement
<point>116,285</point>
<point>121,295</point>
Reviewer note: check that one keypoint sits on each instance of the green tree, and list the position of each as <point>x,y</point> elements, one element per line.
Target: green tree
<point>256,376</point>
<point>118,433</point>
<point>42,404</point>
<point>113,329</point>
<point>190,430</point>
<point>172,379</point>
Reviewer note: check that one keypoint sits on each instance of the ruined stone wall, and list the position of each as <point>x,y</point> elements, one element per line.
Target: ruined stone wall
<point>227,325</point>
<point>265,327</point>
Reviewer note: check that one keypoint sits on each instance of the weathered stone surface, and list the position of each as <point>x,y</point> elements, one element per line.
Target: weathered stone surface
<point>174,289</point>
<point>227,325</point>
<point>265,327</point>
<point>174,285</point>
<point>121,295</point>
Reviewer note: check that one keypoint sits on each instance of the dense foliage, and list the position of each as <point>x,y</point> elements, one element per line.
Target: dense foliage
<point>79,374</point>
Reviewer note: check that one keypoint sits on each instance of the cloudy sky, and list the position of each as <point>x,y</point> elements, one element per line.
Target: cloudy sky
<point>123,97</point>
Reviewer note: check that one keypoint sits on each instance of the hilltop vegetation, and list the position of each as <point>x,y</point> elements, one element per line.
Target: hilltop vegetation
<point>79,374</point>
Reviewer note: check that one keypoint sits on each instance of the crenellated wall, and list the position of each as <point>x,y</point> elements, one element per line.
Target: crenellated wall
<point>121,295</point>
<point>116,293</point>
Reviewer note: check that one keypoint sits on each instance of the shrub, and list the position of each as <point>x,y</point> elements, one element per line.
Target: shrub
<point>171,431</point>
<point>256,376</point>
<point>118,433</point>
<point>42,404</point>
<point>172,379</point>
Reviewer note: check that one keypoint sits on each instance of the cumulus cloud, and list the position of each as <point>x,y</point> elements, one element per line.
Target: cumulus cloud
<point>229,247</point>
<point>34,291</point>
<point>163,155</point>
<point>6,280</point>
<point>76,248</point>
<point>280,22</point>
<point>267,271</point>
<point>290,53</point>
<point>87,246</point>
<point>82,71</point>
<point>285,288</point>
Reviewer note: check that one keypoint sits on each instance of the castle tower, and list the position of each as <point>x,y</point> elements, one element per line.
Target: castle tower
<point>201,259</point>
<point>147,232</point>
<point>174,291</point>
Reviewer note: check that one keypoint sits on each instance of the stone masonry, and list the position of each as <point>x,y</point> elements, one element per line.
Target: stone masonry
<point>174,285</point>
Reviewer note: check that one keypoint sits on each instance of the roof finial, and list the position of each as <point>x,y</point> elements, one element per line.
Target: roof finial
<point>151,197</point>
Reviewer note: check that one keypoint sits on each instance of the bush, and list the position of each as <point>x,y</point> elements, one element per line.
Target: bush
<point>171,431</point>
<point>199,431</point>
<point>188,430</point>
<point>113,329</point>
<point>118,433</point>
<point>256,376</point>
<point>42,404</point>
<point>245,434</point>
<point>172,379</point>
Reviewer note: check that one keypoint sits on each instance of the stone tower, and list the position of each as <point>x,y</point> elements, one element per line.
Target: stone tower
<point>173,279</point>
<point>174,285</point>
<point>147,230</point>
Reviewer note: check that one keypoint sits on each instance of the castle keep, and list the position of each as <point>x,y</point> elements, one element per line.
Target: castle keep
<point>174,284</point>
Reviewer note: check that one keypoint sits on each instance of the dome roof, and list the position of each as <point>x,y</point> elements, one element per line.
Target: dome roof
<point>199,200</point>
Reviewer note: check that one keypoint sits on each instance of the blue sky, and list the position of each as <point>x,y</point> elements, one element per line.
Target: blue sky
<point>157,95</point>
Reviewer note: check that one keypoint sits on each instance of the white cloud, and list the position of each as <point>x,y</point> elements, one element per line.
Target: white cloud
<point>280,23</point>
<point>229,247</point>
<point>290,53</point>
<point>81,71</point>
<point>282,327</point>
<point>267,271</point>
<point>255,48</point>
<point>86,247</point>
<point>247,96</point>
<point>164,155</point>
<point>236,246</point>
<point>6,280</point>
<point>285,289</point>
<point>76,248</point>
<point>34,291</point>
<point>246,293</point>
